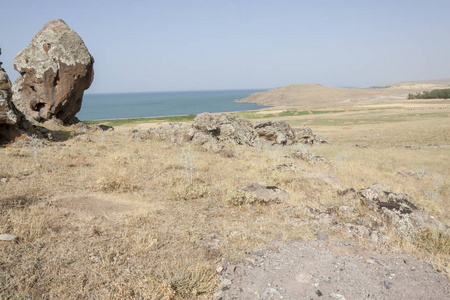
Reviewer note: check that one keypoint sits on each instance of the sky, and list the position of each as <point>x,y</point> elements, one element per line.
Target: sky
<point>144,46</point>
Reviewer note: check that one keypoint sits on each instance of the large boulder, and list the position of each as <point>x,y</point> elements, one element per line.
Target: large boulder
<point>56,68</point>
<point>12,122</point>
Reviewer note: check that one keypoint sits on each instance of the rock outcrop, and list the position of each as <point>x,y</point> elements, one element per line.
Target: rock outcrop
<point>224,128</point>
<point>261,193</point>
<point>381,214</point>
<point>56,68</point>
<point>305,135</point>
<point>275,132</point>
<point>216,131</point>
<point>12,122</point>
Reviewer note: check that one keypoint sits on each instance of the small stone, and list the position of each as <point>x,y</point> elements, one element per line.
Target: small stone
<point>225,282</point>
<point>303,278</point>
<point>319,293</point>
<point>7,237</point>
<point>218,294</point>
<point>388,284</point>
<point>3,180</point>
<point>271,293</point>
<point>239,271</point>
<point>322,236</point>
<point>337,296</point>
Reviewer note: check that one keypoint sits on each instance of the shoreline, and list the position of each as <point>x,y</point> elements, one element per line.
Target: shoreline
<point>169,116</point>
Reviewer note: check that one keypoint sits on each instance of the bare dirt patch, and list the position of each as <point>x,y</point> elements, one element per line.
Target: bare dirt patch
<point>329,270</point>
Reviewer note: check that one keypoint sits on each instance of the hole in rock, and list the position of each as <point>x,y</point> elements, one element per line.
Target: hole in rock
<point>56,80</point>
<point>40,106</point>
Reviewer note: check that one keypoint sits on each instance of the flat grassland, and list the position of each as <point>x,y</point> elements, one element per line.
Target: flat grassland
<point>108,215</point>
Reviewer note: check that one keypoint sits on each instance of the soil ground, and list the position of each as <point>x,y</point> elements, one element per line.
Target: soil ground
<point>330,270</point>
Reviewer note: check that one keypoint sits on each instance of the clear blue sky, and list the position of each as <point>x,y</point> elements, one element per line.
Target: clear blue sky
<point>206,45</point>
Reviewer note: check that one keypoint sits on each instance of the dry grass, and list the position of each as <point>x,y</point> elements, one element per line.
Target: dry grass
<point>109,216</point>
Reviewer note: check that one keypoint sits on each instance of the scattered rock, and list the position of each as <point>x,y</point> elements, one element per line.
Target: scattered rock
<point>218,294</point>
<point>418,174</point>
<point>176,133</point>
<point>275,132</point>
<point>7,237</point>
<point>102,127</point>
<point>331,270</point>
<point>303,278</point>
<point>225,282</point>
<point>305,135</point>
<point>270,293</point>
<point>361,146</point>
<point>56,68</point>
<point>210,241</point>
<point>388,284</point>
<point>237,131</point>
<point>289,167</point>
<point>337,296</point>
<point>139,135</point>
<point>264,193</point>
<point>309,157</point>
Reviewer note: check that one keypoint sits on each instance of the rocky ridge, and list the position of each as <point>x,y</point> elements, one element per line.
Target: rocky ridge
<point>217,132</point>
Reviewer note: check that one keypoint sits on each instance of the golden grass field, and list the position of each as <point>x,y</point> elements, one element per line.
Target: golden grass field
<point>105,216</point>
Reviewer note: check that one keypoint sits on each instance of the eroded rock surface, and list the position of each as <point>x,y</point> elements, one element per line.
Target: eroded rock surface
<point>56,68</point>
<point>12,122</point>
<point>216,132</point>
<point>224,128</point>
<point>263,193</point>
<point>275,132</point>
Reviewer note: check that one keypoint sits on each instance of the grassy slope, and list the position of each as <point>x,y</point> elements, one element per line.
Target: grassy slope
<point>108,216</point>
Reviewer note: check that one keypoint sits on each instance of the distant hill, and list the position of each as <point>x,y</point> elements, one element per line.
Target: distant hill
<point>319,95</point>
<point>442,81</point>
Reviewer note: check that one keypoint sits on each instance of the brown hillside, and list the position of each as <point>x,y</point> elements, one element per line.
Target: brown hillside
<point>319,95</point>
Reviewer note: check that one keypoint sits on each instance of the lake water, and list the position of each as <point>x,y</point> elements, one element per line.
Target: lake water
<point>155,104</point>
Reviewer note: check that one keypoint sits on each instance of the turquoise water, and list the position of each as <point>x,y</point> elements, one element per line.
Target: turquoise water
<point>138,105</point>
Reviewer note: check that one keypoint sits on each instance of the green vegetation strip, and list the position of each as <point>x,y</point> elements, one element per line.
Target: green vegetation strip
<point>434,94</point>
<point>118,122</point>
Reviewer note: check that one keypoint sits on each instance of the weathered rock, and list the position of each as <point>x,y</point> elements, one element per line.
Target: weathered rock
<point>7,237</point>
<point>219,133</point>
<point>224,128</point>
<point>378,197</point>
<point>56,68</point>
<point>397,209</point>
<point>264,193</point>
<point>309,157</point>
<point>12,122</point>
<point>176,133</point>
<point>102,127</point>
<point>305,135</point>
<point>275,132</point>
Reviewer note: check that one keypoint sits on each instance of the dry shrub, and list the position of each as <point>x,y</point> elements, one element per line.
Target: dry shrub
<point>434,241</point>
<point>192,192</point>
<point>239,198</point>
<point>114,183</point>
<point>195,280</point>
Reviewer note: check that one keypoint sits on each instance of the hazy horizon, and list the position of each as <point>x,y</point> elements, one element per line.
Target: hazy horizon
<point>156,46</point>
